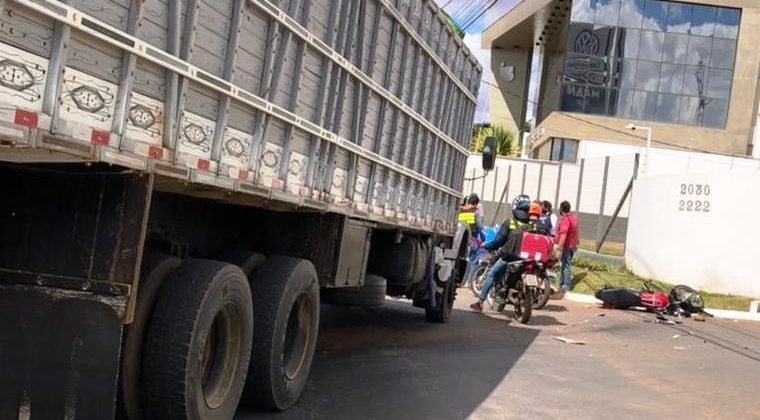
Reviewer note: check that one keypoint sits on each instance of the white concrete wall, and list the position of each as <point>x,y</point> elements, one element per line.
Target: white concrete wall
<point>493,185</point>
<point>666,161</point>
<point>713,247</point>
<point>663,162</point>
<point>756,137</point>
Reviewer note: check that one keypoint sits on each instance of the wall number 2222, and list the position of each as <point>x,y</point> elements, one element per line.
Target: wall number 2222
<point>694,206</point>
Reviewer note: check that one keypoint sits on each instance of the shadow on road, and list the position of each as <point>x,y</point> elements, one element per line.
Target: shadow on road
<point>544,320</point>
<point>389,363</point>
<point>554,308</point>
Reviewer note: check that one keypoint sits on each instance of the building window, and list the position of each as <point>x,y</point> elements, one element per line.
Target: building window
<point>650,60</point>
<point>563,150</point>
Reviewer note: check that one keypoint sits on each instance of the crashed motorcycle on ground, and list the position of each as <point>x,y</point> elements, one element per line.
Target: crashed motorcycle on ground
<point>681,301</point>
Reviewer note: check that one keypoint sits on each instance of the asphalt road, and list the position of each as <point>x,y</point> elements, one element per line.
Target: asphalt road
<point>389,363</point>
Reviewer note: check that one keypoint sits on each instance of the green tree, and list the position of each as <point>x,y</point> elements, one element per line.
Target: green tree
<point>506,139</point>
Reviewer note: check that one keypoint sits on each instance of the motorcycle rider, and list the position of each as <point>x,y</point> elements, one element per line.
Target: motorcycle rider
<point>520,218</point>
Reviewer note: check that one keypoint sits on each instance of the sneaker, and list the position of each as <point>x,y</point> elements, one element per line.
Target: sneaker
<point>477,306</point>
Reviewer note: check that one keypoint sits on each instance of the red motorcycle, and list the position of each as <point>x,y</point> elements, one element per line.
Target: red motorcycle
<point>536,276</point>
<point>525,284</point>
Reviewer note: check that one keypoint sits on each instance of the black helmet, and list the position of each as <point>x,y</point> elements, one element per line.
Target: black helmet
<point>473,199</point>
<point>687,299</point>
<point>521,202</point>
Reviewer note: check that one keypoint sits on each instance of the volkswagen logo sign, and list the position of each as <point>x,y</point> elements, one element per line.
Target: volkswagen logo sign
<point>586,42</point>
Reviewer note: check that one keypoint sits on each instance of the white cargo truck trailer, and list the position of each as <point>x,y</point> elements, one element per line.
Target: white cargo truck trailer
<point>184,182</point>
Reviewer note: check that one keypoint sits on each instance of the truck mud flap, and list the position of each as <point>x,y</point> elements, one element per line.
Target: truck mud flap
<point>59,354</point>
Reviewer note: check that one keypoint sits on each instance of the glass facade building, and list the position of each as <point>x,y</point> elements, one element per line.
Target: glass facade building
<point>650,60</point>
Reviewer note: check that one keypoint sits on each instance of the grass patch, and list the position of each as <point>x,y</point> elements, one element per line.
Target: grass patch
<point>591,265</point>
<point>609,248</point>
<point>592,276</point>
<point>731,302</point>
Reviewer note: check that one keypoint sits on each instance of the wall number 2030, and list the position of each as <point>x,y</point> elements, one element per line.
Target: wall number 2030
<point>695,189</point>
<point>694,206</point>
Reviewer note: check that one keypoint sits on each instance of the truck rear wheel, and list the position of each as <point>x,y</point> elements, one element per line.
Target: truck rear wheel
<point>155,269</point>
<point>286,303</point>
<point>198,345</point>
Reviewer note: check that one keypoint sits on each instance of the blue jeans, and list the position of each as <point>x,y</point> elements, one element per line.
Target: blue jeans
<point>472,263</point>
<point>496,270</point>
<point>565,275</point>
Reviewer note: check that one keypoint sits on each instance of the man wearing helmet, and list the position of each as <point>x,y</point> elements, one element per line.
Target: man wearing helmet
<point>520,218</point>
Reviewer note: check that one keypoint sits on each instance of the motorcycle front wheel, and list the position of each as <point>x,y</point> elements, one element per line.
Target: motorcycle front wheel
<point>523,305</point>
<point>478,278</point>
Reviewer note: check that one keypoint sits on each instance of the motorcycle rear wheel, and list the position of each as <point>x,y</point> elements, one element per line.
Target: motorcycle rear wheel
<point>542,293</point>
<point>524,304</point>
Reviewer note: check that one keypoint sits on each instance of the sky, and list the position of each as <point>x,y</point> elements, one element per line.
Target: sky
<point>464,11</point>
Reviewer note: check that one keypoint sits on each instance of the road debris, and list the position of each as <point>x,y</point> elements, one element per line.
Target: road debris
<point>698,317</point>
<point>569,340</point>
<point>660,321</point>
<point>679,348</point>
<point>675,336</point>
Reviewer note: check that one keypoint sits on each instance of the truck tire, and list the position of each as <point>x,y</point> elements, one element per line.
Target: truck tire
<point>286,303</point>
<point>248,261</point>
<point>156,268</point>
<point>198,344</point>
<point>444,304</point>
<point>372,293</point>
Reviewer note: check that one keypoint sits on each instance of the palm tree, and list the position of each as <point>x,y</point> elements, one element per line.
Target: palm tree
<point>506,139</point>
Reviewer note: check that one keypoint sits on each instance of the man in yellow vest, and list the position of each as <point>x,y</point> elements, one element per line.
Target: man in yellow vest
<point>472,215</point>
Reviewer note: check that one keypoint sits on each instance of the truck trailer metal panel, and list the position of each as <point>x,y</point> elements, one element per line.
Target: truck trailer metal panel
<point>359,107</point>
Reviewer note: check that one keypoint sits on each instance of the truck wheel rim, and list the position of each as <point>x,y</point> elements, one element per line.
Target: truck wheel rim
<point>297,335</point>
<point>219,358</point>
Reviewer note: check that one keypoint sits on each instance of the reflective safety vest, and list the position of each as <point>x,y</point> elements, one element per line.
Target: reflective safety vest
<point>515,224</point>
<point>513,243</point>
<point>467,214</point>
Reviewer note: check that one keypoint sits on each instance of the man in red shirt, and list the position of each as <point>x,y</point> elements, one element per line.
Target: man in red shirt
<point>566,242</point>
